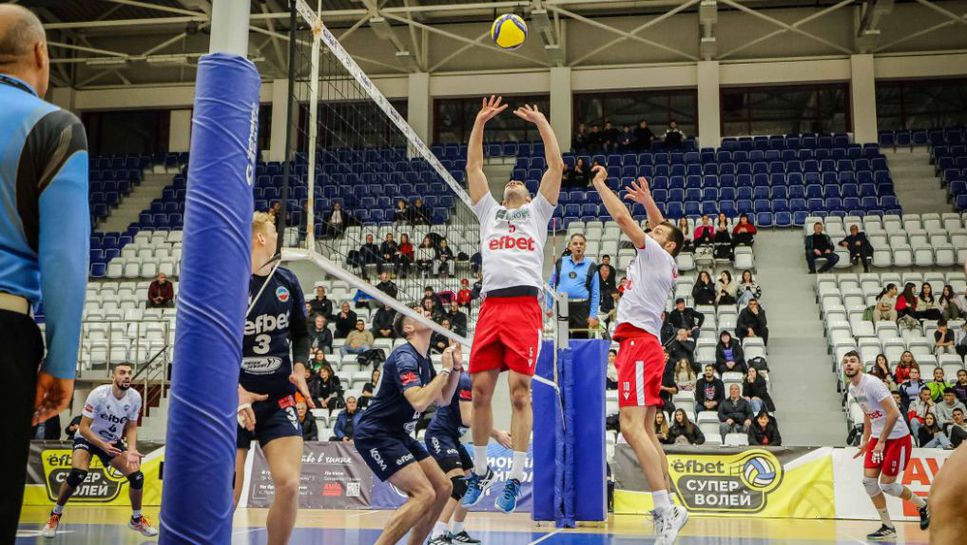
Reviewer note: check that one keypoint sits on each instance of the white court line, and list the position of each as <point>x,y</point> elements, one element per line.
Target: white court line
<point>366,513</point>
<point>246,531</point>
<point>547,536</point>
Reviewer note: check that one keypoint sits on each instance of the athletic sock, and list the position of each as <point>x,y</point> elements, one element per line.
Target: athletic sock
<point>135,514</point>
<point>58,509</point>
<point>517,465</point>
<point>439,529</point>
<point>480,460</point>
<point>918,501</point>
<point>885,517</point>
<point>661,500</point>
<point>456,527</point>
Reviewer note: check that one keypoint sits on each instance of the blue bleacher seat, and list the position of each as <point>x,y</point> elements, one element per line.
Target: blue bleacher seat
<point>763,219</point>
<point>727,207</point>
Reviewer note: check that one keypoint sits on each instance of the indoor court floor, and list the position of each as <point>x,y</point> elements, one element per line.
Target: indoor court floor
<point>98,526</point>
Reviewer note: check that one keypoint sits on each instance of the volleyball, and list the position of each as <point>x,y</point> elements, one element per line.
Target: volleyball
<point>508,31</point>
<point>758,472</point>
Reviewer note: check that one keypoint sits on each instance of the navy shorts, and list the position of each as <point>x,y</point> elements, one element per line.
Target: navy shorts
<point>386,454</point>
<point>448,451</point>
<point>83,444</point>
<point>275,417</point>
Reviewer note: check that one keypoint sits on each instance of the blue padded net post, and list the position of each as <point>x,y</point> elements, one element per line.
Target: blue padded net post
<point>200,451</point>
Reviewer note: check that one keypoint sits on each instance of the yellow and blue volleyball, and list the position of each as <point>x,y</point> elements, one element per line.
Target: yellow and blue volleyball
<point>508,31</point>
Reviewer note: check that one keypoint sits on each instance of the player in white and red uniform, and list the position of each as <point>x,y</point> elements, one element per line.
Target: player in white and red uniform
<point>641,360</point>
<point>508,333</point>
<point>886,445</point>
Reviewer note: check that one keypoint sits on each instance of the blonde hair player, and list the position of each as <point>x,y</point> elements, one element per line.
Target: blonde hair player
<point>641,359</point>
<point>508,333</point>
<point>886,446</point>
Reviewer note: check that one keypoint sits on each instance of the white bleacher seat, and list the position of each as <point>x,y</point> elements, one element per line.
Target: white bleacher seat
<point>114,269</point>
<point>903,257</point>
<point>708,417</point>
<point>923,257</point>
<point>149,269</point>
<point>945,255</point>
<point>705,354</point>
<point>686,262</point>
<point>736,440</point>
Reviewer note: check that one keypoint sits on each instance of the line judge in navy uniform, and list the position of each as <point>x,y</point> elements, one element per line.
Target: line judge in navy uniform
<point>45,231</point>
<point>408,386</point>
<point>577,276</point>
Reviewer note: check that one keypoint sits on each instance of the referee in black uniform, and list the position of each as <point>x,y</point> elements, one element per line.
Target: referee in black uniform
<point>45,231</point>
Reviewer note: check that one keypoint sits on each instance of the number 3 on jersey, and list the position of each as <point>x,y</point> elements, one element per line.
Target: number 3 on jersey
<point>262,344</point>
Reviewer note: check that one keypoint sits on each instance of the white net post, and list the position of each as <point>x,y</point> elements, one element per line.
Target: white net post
<point>313,135</point>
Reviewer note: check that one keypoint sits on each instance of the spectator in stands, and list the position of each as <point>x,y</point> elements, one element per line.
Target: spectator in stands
<point>326,389</point>
<point>611,375</point>
<point>756,390</point>
<point>906,302</point>
<point>859,247</point>
<point>320,337</point>
<point>577,177</point>
<point>703,292</point>
<point>735,413</point>
<point>931,435</point>
<point>748,288</point>
<point>444,261</point>
<point>405,255</point>
<point>435,307</point>
<point>611,281</point>
<point>681,346</point>
<point>709,391</point>
<point>958,428</point>
<point>594,139</point>
<point>752,322</point>
<point>928,308</point>
<point>609,137</point>
<point>949,308</point>
<point>722,243</point>
<point>465,295</point>
<point>626,139</point>
<point>686,318</point>
<point>458,318</point>
<point>401,214</point>
<point>684,376</point>
<point>885,308</point>
<point>674,137</point>
<point>686,230</point>
<point>419,214</point>
<point>369,389</point>
<point>368,254</point>
<point>906,363</point>
<point>607,286</point>
<point>818,246</point>
<point>309,430</point>
<point>337,220</point>
<point>960,387</point>
<point>345,321</point>
<point>938,385</point>
<point>161,293</point>
<point>643,137</point>
<point>943,339</point>
<point>425,254</point>
<point>661,428</point>
<point>579,142</point>
<point>358,341</point>
<point>389,253</point>
<point>881,369</point>
<point>910,388</point>
<point>386,285</point>
<point>729,357</point>
<point>919,409</point>
<point>725,289</point>
<point>668,388</point>
<point>347,421</point>
<point>318,359</point>
<point>764,432</point>
<point>743,234</point>
<point>704,233</point>
<point>683,431</point>
<point>320,304</point>
<point>438,341</point>
<point>945,409</point>
<point>383,323</point>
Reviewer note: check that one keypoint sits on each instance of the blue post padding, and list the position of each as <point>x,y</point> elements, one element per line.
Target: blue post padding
<point>215,271</point>
<point>587,401</point>
<point>565,370</point>
<point>547,424</point>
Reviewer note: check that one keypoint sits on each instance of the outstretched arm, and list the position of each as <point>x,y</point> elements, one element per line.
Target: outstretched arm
<point>551,181</point>
<point>639,192</point>
<point>617,209</point>
<point>476,180</point>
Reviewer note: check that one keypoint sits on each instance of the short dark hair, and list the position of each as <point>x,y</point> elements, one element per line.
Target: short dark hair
<point>925,389</point>
<point>127,364</point>
<point>675,235</point>
<point>949,391</point>
<point>613,351</point>
<point>398,324</point>
<point>959,410</point>
<point>572,237</point>
<point>605,256</point>
<point>852,354</point>
<point>679,300</point>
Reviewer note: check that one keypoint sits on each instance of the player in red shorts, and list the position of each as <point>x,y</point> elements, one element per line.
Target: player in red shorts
<point>886,458</point>
<point>508,333</point>
<point>641,360</point>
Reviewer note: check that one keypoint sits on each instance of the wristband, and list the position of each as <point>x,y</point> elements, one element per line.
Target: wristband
<point>446,372</point>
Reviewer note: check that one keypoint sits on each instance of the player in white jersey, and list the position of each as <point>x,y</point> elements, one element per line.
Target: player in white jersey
<point>108,430</point>
<point>641,360</point>
<point>508,332</point>
<point>886,445</point>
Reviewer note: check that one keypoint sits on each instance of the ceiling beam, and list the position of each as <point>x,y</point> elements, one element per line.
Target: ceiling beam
<point>946,13</point>
<point>794,25</point>
<point>635,31</point>
<point>618,31</point>
<point>465,47</point>
<point>148,5</point>
<point>786,26</point>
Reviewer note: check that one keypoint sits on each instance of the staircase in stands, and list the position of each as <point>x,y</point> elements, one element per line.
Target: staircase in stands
<point>135,203</point>
<point>915,180</point>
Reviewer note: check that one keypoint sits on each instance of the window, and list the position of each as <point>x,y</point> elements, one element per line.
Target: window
<point>793,109</point>
<point>354,124</point>
<point>631,107</point>
<point>127,131</point>
<point>924,104</point>
<point>453,119</point>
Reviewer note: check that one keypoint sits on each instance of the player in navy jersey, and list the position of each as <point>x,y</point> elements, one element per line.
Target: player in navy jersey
<point>443,440</point>
<point>274,351</point>
<point>407,387</point>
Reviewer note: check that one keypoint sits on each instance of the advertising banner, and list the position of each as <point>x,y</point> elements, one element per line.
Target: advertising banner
<point>50,462</point>
<point>333,477</point>
<point>795,482</point>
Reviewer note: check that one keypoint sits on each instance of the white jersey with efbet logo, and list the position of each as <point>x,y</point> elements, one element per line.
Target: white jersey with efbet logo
<point>512,242</point>
<point>870,394</point>
<point>651,277</point>
<point>110,414</point>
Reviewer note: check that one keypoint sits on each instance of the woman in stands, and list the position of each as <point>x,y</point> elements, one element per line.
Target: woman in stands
<point>686,230</point>
<point>661,428</point>
<point>728,355</point>
<point>725,289</point>
<point>906,302</point>
<point>401,212</point>
<point>881,368</point>
<point>930,435</point>
<point>369,388</point>
<point>748,288</point>
<point>764,431</point>
<point>684,376</point>
<point>885,308</point>
<point>948,304</point>
<point>723,241</point>
<point>424,257</point>
<point>683,431</point>
<point>577,177</point>
<point>406,254</point>
<point>928,308</point>
<point>743,234</point>
<point>704,233</point>
<point>902,372</point>
<point>703,292</point>
<point>326,389</point>
<point>756,390</point>
<point>444,260</point>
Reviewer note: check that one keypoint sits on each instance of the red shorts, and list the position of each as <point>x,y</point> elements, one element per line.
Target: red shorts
<point>640,365</point>
<point>896,456</point>
<point>508,335</point>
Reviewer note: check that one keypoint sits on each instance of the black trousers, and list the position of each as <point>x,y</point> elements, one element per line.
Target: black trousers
<point>19,359</point>
<point>577,319</point>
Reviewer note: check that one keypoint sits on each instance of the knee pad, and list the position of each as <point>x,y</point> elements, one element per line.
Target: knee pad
<point>893,489</point>
<point>137,480</point>
<point>872,486</point>
<point>76,477</point>
<point>459,487</point>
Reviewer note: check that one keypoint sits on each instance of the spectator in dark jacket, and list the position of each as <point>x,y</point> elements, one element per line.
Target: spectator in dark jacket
<point>368,254</point>
<point>910,389</point>
<point>458,318</point>
<point>682,347</point>
<point>859,247</point>
<point>321,304</point>
<point>326,389</point>
<point>819,246</point>
<point>337,220</point>
<point>729,357</point>
<point>735,413</point>
<point>369,389</point>
<point>764,431</point>
<point>319,334</point>
<point>756,390</point>
<point>703,292</point>
<point>661,428</point>
<point>752,322</point>
<point>709,391</point>
<point>438,342</point>
<point>643,137</point>
<point>345,321</point>
<point>161,293</point>
<point>389,253</point>
<point>383,323</point>
<point>401,214</point>
<point>386,285</point>
<point>674,137</point>
<point>347,421</point>
<point>419,214</point>
<point>309,430</point>
<point>683,431</point>
<point>686,318</point>
<point>611,282</point>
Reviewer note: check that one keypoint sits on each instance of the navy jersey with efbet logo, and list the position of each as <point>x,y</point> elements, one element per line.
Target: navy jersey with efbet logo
<point>389,411</point>
<point>448,419</point>
<point>275,327</point>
